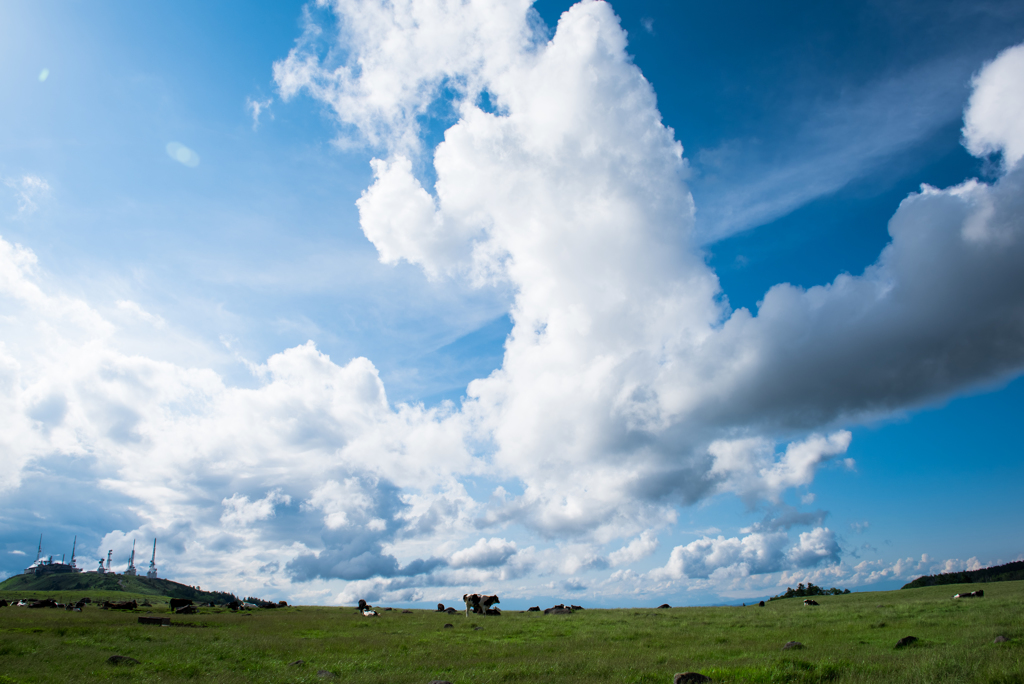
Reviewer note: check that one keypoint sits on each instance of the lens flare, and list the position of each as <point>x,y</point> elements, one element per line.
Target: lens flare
<point>43,75</point>
<point>180,153</point>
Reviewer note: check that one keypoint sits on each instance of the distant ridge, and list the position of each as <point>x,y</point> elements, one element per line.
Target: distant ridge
<point>94,581</point>
<point>1000,573</point>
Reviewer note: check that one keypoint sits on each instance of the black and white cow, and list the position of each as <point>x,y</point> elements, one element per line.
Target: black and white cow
<point>480,604</point>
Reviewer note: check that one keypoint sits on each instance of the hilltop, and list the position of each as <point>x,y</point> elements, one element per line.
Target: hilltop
<point>95,582</point>
<point>1000,573</point>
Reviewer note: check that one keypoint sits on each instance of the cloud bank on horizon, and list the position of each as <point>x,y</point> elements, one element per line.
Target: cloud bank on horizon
<point>629,387</point>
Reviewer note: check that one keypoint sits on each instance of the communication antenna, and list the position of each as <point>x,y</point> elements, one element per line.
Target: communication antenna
<point>152,562</point>
<point>74,544</point>
<point>110,555</point>
<point>39,553</point>
<point>131,561</point>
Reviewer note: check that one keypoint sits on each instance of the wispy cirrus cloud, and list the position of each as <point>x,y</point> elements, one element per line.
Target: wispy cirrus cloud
<point>746,183</point>
<point>28,190</point>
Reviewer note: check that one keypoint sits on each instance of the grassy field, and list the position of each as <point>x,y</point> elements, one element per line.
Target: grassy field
<point>847,638</point>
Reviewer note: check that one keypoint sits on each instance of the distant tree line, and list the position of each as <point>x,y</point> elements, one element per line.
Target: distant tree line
<point>260,602</point>
<point>809,590</point>
<point>1009,572</point>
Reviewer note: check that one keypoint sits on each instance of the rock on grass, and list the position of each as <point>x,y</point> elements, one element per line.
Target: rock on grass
<point>690,678</point>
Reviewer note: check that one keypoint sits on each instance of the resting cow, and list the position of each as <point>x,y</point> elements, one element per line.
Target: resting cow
<point>973,594</point>
<point>126,605</point>
<point>177,603</point>
<point>480,603</point>
<point>810,602</point>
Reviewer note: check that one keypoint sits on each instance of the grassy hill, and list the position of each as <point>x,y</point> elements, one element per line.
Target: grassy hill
<point>1010,572</point>
<point>125,587</point>
<point>847,639</point>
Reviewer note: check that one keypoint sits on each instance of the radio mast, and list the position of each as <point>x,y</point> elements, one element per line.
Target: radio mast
<point>151,573</point>
<point>131,561</point>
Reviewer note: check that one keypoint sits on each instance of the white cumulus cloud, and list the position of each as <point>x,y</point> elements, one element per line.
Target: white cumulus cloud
<point>994,119</point>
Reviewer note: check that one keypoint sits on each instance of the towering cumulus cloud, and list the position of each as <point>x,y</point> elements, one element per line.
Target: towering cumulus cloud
<point>628,387</point>
<point>626,382</point>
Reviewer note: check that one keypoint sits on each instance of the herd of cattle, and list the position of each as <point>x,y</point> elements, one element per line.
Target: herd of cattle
<point>478,604</point>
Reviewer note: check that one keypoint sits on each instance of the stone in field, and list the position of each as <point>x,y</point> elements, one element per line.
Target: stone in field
<point>689,678</point>
<point>791,645</point>
<point>906,641</point>
<point>1000,639</point>
<point>122,660</point>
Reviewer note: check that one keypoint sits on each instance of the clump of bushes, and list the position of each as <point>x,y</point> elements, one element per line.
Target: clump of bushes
<point>810,590</point>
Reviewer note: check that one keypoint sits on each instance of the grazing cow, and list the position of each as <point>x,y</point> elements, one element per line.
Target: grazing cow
<point>3,603</point>
<point>761,604</point>
<point>576,607</point>
<point>479,603</point>
<point>180,603</point>
<point>534,609</point>
<point>664,605</point>
<point>810,602</point>
<point>440,607</point>
<point>235,605</point>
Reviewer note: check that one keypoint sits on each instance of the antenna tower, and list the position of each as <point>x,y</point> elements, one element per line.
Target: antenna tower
<point>131,561</point>
<point>152,563</point>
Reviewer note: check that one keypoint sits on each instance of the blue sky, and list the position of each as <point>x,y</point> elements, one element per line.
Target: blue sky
<point>654,418</point>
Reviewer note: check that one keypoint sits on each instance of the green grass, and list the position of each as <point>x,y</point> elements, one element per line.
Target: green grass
<point>847,638</point>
